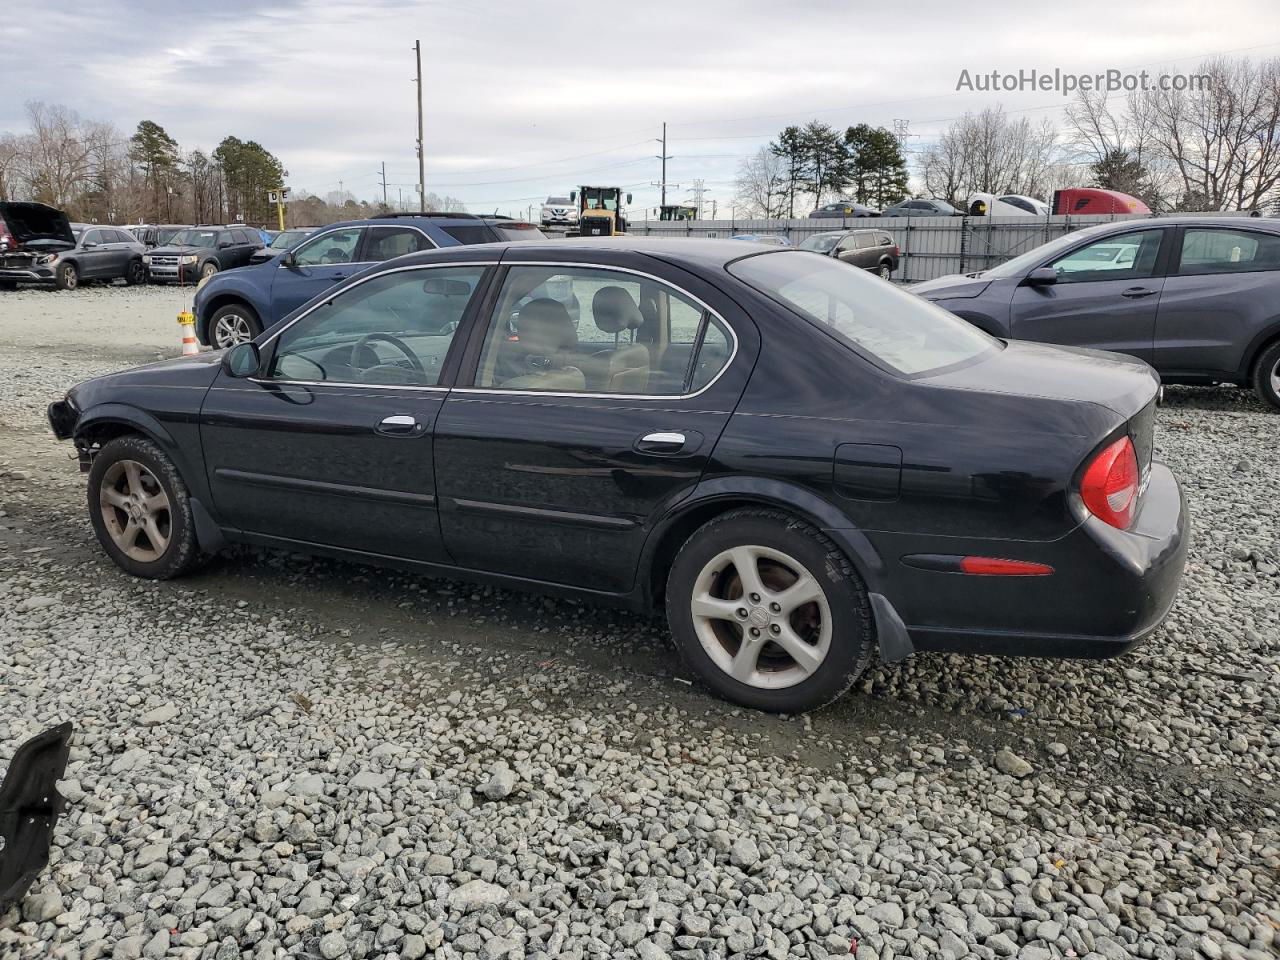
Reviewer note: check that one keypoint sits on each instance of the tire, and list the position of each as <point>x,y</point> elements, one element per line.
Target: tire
<point>125,523</point>
<point>208,269</point>
<point>1266,375</point>
<point>834,629</point>
<point>232,324</point>
<point>67,276</point>
<point>135,273</point>
<point>884,271</point>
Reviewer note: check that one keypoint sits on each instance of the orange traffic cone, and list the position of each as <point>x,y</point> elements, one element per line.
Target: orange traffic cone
<point>187,320</point>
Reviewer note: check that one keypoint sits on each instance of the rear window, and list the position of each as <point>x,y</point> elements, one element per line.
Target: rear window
<point>518,231</point>
<point>899,330</point>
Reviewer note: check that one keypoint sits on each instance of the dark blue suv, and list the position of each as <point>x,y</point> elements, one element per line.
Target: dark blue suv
<point>239,304</point>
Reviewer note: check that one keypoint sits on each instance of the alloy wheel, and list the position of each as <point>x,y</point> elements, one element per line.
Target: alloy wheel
<point>230,329</point>
<point>135,511</point>
<point>761,617</point>
<point>1275,378</point>
<point>208,270</point>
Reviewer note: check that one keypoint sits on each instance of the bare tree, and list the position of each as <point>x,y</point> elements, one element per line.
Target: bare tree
<point>1223,139</point>
<point>989,153</point>
<point>761,185</point>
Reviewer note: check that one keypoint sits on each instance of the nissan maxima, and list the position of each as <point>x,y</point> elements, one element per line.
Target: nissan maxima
<point>802,465</point>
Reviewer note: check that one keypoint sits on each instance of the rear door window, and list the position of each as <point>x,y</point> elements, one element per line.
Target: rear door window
<point>385,243</point>
<point>1212,250</point>
<point>470,233</point>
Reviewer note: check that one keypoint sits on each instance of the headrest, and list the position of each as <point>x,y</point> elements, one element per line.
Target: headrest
<point>545,328</point>
<point>614,310</point>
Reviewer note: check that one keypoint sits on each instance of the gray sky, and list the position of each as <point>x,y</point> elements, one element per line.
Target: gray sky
<point>529,98</point>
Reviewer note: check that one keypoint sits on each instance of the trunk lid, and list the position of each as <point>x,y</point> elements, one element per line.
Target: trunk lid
<point>35,226</point>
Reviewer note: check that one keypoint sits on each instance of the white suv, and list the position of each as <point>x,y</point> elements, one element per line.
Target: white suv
<point>559,211</point>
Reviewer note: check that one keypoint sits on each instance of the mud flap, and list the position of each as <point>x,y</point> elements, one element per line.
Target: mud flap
<point>895,642</point>
<point>29,809</point>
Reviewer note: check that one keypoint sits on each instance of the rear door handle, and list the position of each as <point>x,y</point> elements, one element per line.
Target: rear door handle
<point>401,425</point>
<point>669,442</point>
<point>1133,293</point>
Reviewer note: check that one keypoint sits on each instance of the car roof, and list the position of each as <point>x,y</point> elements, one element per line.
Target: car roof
<point>692,251</point>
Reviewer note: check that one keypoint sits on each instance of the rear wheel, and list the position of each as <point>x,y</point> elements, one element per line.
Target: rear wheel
<point>135,273</point>
<point>233,324</point>
<point>67,277</point>
<point>141,511</point>
<point>884,270</point>
<point>1266,375</point>
<point>769,612</point>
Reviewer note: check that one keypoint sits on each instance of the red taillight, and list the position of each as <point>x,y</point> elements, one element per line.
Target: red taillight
<point>1109,488</point>
<point>1000,567</point>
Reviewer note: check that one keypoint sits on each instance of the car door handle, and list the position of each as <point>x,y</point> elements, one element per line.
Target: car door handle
<point>401,425</point>
<point>665,441</point>
<point>1133,293</point>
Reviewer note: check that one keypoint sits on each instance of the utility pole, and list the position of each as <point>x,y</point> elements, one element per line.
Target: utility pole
<point>422,168</point>
<point>384,183</point>
<point>664,157</point>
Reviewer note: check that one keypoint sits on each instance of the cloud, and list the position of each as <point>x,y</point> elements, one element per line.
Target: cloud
<point>523,99</point>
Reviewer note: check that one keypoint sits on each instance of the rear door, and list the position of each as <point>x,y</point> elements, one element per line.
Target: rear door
<point>315,265</point>
<point>1106,295</point>
<point>1223,289</point>
<point>332,446</point>
<point>555,464</point>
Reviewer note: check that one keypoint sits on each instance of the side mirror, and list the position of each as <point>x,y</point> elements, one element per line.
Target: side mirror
<point>1041,277</point>
<point>223,244</point>
<point>288,260</point>
<point>88,245</point>
<point>628,198</point>
<point>242,360</point>
<point>573,197</point>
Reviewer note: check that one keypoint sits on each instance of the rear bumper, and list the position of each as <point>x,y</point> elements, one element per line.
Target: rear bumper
<point>1110,588</point>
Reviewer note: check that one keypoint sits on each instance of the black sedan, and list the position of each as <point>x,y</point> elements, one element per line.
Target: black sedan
<point>802,464</point>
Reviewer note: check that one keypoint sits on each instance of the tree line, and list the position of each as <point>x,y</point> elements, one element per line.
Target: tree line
<point>94,173</point>
<point>1216,147</point>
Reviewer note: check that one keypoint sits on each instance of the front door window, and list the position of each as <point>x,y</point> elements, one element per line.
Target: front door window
<point>1130,256</point>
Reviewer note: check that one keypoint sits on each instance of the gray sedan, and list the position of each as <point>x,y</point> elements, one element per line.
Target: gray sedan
<point>1198,298</point>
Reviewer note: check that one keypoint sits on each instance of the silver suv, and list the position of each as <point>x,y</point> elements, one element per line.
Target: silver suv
<point>559,212</point>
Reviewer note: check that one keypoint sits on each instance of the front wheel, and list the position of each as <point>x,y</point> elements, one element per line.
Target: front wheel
<point>67,276</point>
<point>135,274</point>
<point>768,612</point>
<point>1266,375</point>
<point>232,324</point>
<point>208,270</point>
<point>141,511</point>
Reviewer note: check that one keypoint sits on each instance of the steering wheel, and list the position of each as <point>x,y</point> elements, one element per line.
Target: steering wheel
<point>368,338</point>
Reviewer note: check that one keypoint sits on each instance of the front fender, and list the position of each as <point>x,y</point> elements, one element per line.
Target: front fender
<point>222,289</point>
<point>190,462</point>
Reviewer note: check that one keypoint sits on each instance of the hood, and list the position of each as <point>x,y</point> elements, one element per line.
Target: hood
<point>175,249</point>
<point>1122,384</point>
<point>196,370</point>
<point>955,286</point>
<point>38,225</point>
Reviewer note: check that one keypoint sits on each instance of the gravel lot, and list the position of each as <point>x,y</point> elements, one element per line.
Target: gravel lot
<point>285,757</point>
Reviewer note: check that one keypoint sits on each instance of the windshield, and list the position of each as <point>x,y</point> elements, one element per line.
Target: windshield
<point>594,202</point>
<point>902,331</point>
<point>287,240</point>
<point>195,238</point>
<point>821,242</point>
<point>1046,251</point>
<point>165,234</point>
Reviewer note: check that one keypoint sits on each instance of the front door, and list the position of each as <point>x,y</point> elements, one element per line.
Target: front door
<point>95,261</point>
<point>315,265</point>
<point>577,435</point>
<point>1106,296</point>
<point>332,443</point>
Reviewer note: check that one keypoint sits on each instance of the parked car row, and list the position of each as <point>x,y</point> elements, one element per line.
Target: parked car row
<point>38,244</point>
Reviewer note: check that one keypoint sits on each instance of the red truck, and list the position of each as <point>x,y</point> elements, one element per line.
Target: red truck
<point>1080,200</point>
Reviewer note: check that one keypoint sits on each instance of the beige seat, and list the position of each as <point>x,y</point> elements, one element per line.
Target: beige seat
<point>538,360</point>
<point>625,367</point>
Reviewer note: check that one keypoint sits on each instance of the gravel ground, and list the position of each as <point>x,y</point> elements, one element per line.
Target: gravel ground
<point>286,757</point>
